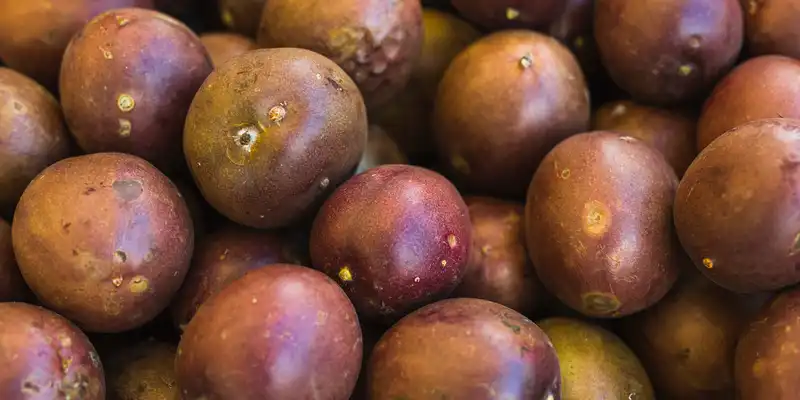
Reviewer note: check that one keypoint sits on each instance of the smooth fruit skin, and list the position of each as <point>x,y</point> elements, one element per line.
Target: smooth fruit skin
<point>771,28</point>
<point>127,81</point>
<point>598,224</point>
<point>44,356</point>
<point>222,46</point>
<point>271,133</point>
<point>762,87</point>
<point>396,237</point>
<point>12,287</point>
<point>736,207</point>
<point>505,14</point>
<point>103,239</point>
<point>668,51</point>
<point>279,332</point>
<point>464,349</point>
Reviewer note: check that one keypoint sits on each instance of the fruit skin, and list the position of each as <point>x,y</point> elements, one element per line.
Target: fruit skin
<point>573,28</point>
<point>127,81</point>
<point>464,349</point>
<point>271,133</point>
<point>503,103</point>
<point>32,134</point>
<point>222,257</point>
<point>242,16</point>
<point>770,27</point>
<point>735,209</point>
<point>222,46</point>
<point>670,131</point>
<point>766,362</point>
<point>595,363</point>
<point>395,238</point>
<point>143,372</point>
<point>270,333</point>
<point>103,239</point>
<point>762,87</point>
<point>34,34</point>
<point>375,41</point>
<point>687,341</point>
<point>671,51</point>
<point>381,150</point>
<point>499,269</point>
<point>12,287</point>
<point>44,356</point>
<point>505,14</point>
<point>591,196</point>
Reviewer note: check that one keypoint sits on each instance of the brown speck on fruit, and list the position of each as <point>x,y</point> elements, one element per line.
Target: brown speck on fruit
<point>512,13</point>
<point>125,102</point>
<point>685,70</point>
<point>598,218</point>
<point>452,241</point>
<point>120,257</point>
<point>127,190</point>
<point>565,173</point>
<point>336,85</point>
<point>486,249</point>
<point>106,53</point>
<point>444,263</point>
<point>460,164</point>
<point>600,303</point>
<point>694,42</point>
<point>29,388</point>
<point>708,263</point>
<point>124,127</point>
<point>224,255</point>
<point>323,184</point>
<point>117,281</point>
<point>526,61</point>
<point>277,113</point>
<point>139,284</point>
<point>515,328</point>
<point>345,275</point>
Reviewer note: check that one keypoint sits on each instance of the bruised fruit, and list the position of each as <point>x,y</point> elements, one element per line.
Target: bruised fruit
<point>271,133</point>
<point>381,150</point>
<point>32,134</point>
<point>687,341</point>
<point>504,14</point>
<point>598,223</point>
<point>668,51</point>
<point>279,332</point>
<point>103,239</point>
<point>595,363</point>
<point>464,349</point>
<point>127,81</point>
<point>503,103</point>
<point>12,287</point>
<point>766,362</point>
<point>223,257</point>
<point>242,16</point>
<point>143,372</point>
<point>44,356</point>
<point>395,237</point>
<point>375,41</point>
<point>771,27</point>
<point>669,131</point>
<point>223,46</point>
<point>762,87</point>
<point>406,117</point>
<point>34,33</point>
<point>736,207</point>
<point>499,269</point>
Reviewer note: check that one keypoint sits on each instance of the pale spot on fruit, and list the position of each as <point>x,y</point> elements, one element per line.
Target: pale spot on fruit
<point>619,110</point>
<point>277,113</point>
<point>486,249</point>
<point>227,18</point>
<point>695,41</point>
<point>242,144</point>
<point>795,245</point>
<point>752,7</point>
<point>460,164</point>
<point>139,284</point>
<point>117,281</point>
<point>708,263</point>
<point>322,317</point>
<point>565,173</point>
<point>65,363</point>
<point>127,190</point>
<point>759,369</point>
<point>65,341</point>
<point>685,70</point>
<point>526,61</point>
<point>416,279</point>
<point>106,53</point>
<point>579,42</point>
<point>512,13</point>
<point>323,184</point>
<point>125,127</point>
<point>125,102</point>
<point>600,303</point>
<point>444,263</point>
<point>345,275</point>
<point>452,241</point>
<point>629,139</point>
<point>597,218</point>
<point>122,21</point>
<point>254,300</point>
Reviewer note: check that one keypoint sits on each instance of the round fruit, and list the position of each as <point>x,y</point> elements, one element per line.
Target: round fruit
<point>279,332</point>
<point>44,356</point>
<point>736,207</point>
<point>598,223</point>
<point>770,27</point>
<point>503,103</point>
<point>222,46</point>
<point>271,133</point>
<point>242,16</point>
<point>375,41</point>
<point>395,237</point>
<point>32,134</point>
<point>127,81</point>
<point>12,287</point>
<point>143,372</point>
<point>103,239</point>
<point>668,51</point>
<point>464,349</point>
<point>503,14</point>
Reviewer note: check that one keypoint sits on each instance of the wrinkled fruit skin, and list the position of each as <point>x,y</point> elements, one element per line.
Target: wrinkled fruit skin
<point>464,349</point>
<point>223,46</point>
<point>505,14</point>
<point>242,16</point>
<point>595,363</point>
<point>103,239</point>
<point>503,103</point>
<point>395,237</point>
<point>44,356</point>
<point>279,332</point>
<point>32,134</point>
<point>766,364</point>
<point>668,52</point>
<point>12,287</point>
<point>271,133</point>
<point>762,87</point>
<point>770,27</point>
<point>34,34</point>
<point>143,372</point>
<point>221,258</point>
<point>499,269</point>
<point>672,132</point>
<point>376,42</point>
<point>736,207</point>
<point>127,81</point>
<point>381,150</point>
<point>591,196</point>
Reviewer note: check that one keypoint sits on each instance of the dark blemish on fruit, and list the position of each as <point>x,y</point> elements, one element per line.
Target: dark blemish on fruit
<point>526,61</point>
<point>74,252</point>
<point>515,328</point>
<point>335,84</point>
<point>89,191</point>
<point>120,257</point>
<point>66,227</point>
<point>18,106</point>
<point>684,354</point>
<point>128,190</point>
<point>30,388</point>
<point>601,303</point>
